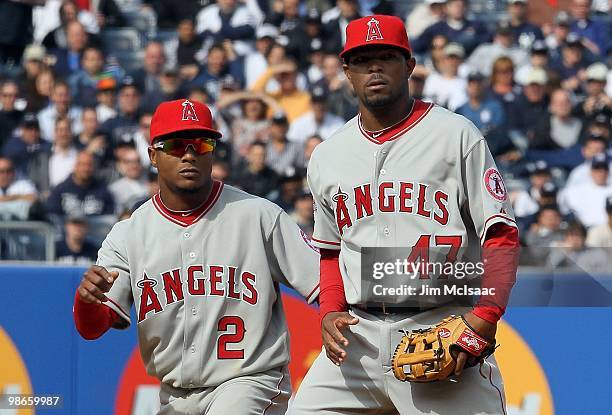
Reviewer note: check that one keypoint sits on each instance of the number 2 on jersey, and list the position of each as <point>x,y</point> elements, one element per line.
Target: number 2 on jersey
<point>235,324</point>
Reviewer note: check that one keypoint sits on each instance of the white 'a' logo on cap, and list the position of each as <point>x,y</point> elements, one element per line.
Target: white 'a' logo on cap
<point>374,32</point>
<point>189,113</point>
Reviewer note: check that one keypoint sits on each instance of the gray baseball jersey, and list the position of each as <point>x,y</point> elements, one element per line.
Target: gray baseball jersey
<point>205,285</point>
<point>428,181</point>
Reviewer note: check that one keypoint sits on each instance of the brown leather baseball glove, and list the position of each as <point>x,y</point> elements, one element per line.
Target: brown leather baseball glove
<point>425,355</point>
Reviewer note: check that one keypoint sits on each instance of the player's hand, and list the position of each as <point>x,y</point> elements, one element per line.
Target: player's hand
<point>482,328</point>
<point>95,283</point>
<point>331,331</point>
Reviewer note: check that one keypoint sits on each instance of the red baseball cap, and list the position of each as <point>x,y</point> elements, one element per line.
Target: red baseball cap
<point>378,29</point>
<point>182,115</point>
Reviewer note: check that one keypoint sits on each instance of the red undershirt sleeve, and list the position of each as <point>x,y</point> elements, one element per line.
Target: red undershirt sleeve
<point>500,255</point>
<point>92,320</point>
<point>331,296</point>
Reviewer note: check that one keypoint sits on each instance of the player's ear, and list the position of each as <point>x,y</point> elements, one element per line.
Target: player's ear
<point>410,64</point>
<point>152,156</point>
<point>345,68</point>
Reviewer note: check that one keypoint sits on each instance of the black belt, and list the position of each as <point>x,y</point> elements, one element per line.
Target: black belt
<point>383,308</point>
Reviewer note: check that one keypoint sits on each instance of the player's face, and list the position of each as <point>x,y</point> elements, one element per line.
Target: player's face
<point>181,169</point>
<point>379,75</point>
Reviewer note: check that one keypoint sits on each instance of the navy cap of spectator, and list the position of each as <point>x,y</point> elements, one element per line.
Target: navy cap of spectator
<point>475,76</point>
<point>549,189</point>
<point>573,40</point>
<point>128,82</point>
<point>316,45</point>
<point>600,161</point>
<point>30,121</point>
<point>503,27</point>
<point>77,219</point>
<point>609,204</point>
<point>539,167</point>
<point>318,95</point>
<point>540,47</point>
<point>313,17</point>
<point>229,83</point>
<point>563,19</point>
<point>280,118</point>
<point>602,118</point>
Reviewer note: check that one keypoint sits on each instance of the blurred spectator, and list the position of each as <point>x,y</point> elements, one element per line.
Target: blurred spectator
<point>84,82</point>
<point>74,248</point>
<point>311,45</point>
<point>481,60</point>
<point>527,202</point>
<point>106,93</point>
<point>33,65</point>
<point>314,61</point>
<point>319,121</point>
<point>341,99</point>
<point>188,47</point>
<point>523,32</point>
<point>60,106</point>
<point>68,60</point>
<point>538,59</point>
<point>256,62</point>
<point>228,19</point>
<point>560,129</point>
<point>10,115</point>
<point>455,26</point>
<point>532,105</point>
<point>100,14</point>
<point>63,153</point>
<point>335,29</point>
<point>16,195</point>
<point>253,175</point>
<point>544,233</point>
<point>15,29</point>
<point>146,79</point>
<point>596,99</point>
<point>447,88</point>
<point>560,30</point>
<point>142,138</point>
<point>486,113</point>
<point>251,123</point>
<point>293,101</point>
<point>572,253</point>
<point>593,145</point>
<point>601,235</point>
<point>122,127</point>
<point>289,187</point>
<point>29,153</point>
<point>169,83</point>
<point>220,170</point>
<point>292,27</point>
<point>416,83</point>
<point>587,201</point>
<point>282,155</point>
<point>571,63</point>
<point>68,12</point>
<point>595,34</point>
<point>80,194</point>
<point>303,213</point>
<point>309,146</point>
<point>170,12</point>
<point>600,125</point>
<point>424,15</point>
<point>503,87</point>
<point>131,187</point>
<point>217,67</point>
<point>39,98</point>
<point>91,139</point>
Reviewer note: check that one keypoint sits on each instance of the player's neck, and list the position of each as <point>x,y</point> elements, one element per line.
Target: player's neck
<point>374,119</point>
<point>184,201</point>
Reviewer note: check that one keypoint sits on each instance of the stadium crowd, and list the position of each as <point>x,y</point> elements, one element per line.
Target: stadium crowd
<point>80,79</point>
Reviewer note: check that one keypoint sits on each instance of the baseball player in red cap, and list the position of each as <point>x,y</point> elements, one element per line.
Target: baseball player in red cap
<point>201,262</point>
<point>409,175</point>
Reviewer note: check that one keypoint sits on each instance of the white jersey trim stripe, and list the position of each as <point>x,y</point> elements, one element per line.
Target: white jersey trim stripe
<point>314,290</point>
<point>117,308</point>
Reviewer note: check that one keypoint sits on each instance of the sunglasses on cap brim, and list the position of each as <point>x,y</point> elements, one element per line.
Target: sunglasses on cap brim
<point>178,146</point>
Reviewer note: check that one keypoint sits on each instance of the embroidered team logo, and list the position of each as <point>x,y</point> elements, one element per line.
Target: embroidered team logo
<point>444,332</point>
<point>494,183</point>
<point>189,112</point>
<point>374,32</point>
